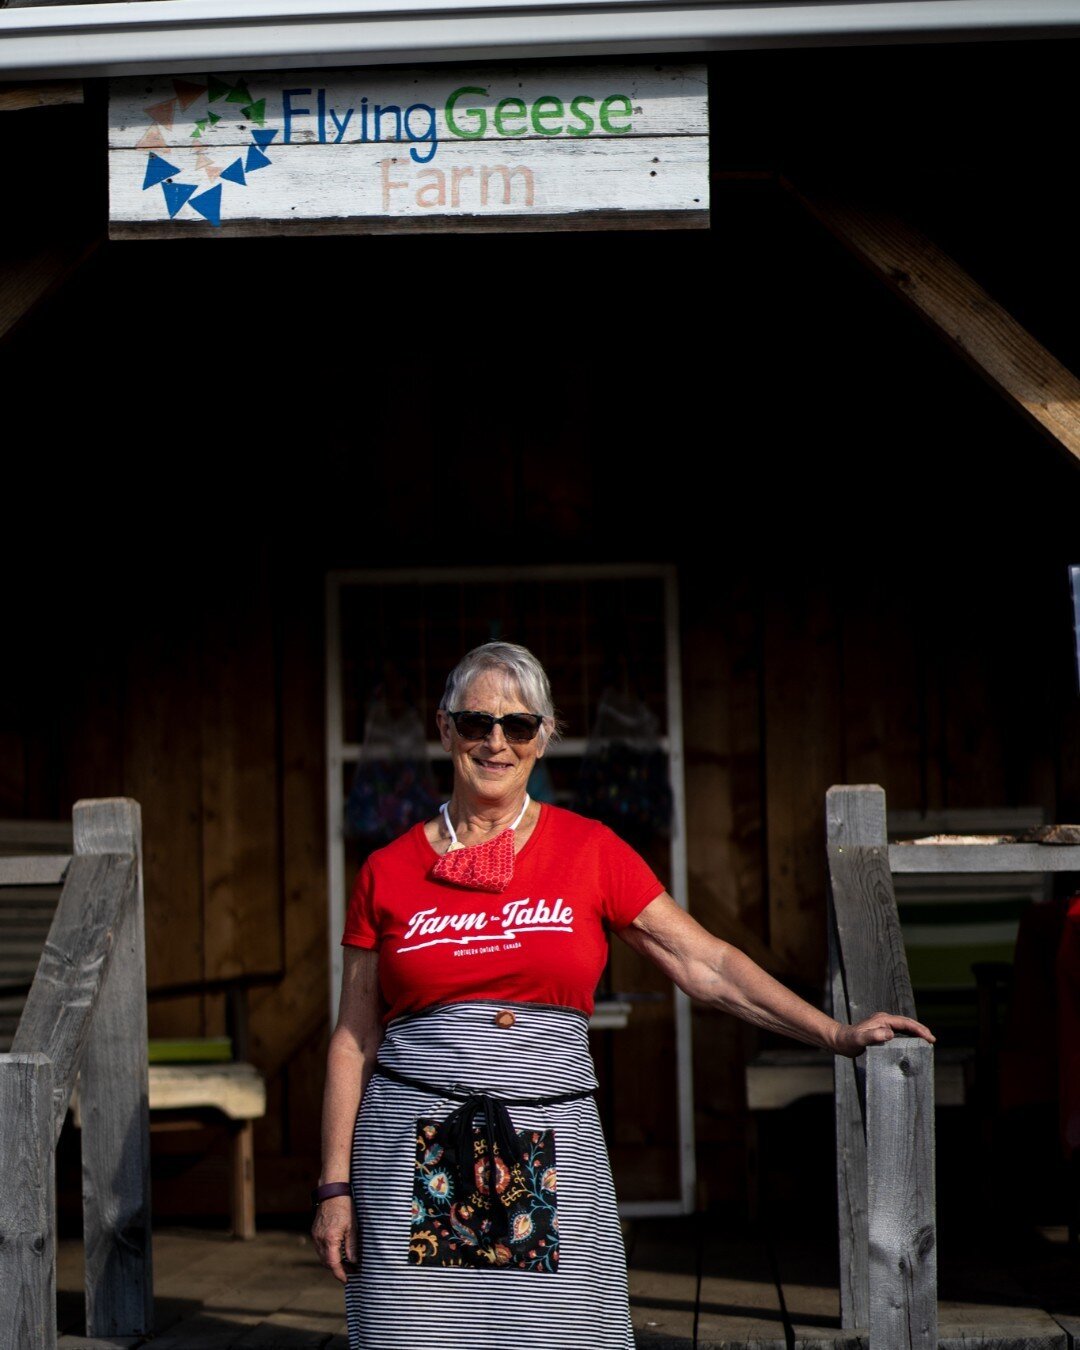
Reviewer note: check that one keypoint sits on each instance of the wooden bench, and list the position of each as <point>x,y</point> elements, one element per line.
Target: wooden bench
<point>196,1093</point>
<point>185,1095</point>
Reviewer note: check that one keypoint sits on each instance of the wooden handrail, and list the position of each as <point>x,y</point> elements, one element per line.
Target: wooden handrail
<point>885,1099</point>
<point>974,859</point>
<point>73,968</point>
<point>85,1016</point>
<point>873,957</point>
<point>227,984</point>
<point>37,869</point>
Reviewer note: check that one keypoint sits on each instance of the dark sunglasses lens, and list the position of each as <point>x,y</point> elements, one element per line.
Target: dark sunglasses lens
<point>474,726</point>
<point>520,728</point>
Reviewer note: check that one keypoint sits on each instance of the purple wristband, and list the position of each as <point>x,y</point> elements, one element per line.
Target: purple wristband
<point>327,1192</point>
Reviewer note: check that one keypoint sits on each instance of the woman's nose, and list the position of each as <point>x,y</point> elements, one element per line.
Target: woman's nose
<point>495,737</point>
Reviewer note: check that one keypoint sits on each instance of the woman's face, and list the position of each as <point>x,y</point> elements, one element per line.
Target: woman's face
<point>493,769</point>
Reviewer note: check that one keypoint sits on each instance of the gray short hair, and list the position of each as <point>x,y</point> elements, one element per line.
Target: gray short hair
<point>520,667</point>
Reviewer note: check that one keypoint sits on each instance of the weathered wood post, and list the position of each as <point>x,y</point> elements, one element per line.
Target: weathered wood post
<point>884,1099</point>
<point>27,1203</point>
<point>902,1246</point>
<point>114,1101</point>
<point>851,1185</point>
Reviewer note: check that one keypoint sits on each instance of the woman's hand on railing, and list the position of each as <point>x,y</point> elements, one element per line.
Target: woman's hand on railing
<point>876,1030</point>
<point>334,1235</point>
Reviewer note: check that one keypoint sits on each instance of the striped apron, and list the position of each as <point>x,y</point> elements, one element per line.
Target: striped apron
<point>393,1303</point>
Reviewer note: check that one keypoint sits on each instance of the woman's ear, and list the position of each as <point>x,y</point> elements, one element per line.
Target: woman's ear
<point>443,723</point>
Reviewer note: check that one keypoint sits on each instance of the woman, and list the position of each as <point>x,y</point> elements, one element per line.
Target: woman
<point>473,946</point>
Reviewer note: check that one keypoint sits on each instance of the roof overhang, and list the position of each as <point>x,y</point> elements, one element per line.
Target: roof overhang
<point>144,36</point>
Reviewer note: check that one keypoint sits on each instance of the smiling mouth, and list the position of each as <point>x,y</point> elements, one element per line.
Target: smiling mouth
<point>492,764</point>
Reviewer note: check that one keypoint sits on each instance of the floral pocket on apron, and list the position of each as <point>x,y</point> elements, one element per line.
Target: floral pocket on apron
<point>484,1210</point>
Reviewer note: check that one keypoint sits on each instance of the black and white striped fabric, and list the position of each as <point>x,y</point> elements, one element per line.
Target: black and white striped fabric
<point>392,1305</point>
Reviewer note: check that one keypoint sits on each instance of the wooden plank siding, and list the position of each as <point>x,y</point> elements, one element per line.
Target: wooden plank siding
<point>914,640</point>
<point>240,839</point>
<point>781,691</point>
<point>725,838</point>
<point>803,756</point>
<point>884,679</point>
<point>870,542</point>
<point>161,770</point>
<point>183,713</point>
<point>289,1025</point>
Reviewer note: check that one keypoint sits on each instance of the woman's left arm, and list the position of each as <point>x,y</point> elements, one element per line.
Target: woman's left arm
<point>713,971</point>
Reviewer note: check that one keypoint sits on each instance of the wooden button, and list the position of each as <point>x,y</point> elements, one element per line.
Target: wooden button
<point>505,1019</point>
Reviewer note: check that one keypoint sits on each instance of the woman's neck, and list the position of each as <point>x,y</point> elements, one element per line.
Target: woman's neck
<point>471,816</point>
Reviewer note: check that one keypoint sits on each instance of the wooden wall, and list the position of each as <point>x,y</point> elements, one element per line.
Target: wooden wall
<point>209,711</point>
<point>850,678</point>
<point>215,723</point>
<point>871,550</point>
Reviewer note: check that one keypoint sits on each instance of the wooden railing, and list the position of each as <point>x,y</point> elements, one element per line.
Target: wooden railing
<point>85,1018</point>
<point>884,1099</point>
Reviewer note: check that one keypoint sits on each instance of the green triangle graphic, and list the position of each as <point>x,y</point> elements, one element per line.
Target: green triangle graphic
<point>200,127</point>
<point>214,119</point>
<point>256,112</point>
<point>241,93</point>
<point>218,89</point>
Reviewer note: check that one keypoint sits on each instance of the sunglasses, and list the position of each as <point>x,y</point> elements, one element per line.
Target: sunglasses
<point>478,726</point>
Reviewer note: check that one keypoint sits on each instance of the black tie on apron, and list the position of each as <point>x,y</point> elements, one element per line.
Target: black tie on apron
<point>498,1129</point>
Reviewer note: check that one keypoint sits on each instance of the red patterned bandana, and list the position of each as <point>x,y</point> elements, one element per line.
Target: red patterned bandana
<point>483,867</point>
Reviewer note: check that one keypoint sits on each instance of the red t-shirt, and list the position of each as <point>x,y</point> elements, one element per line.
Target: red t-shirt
<point>543,940</point>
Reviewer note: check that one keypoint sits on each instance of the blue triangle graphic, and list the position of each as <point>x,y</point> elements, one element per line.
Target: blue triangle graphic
<point>264,137</point>
<point>176,194</point>
<point>255,159</point>
<point>157,170</point>
<point>235,173</point>
<point>208,205</point>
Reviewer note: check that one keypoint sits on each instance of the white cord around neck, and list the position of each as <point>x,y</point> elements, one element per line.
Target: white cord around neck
<point>445,809</point>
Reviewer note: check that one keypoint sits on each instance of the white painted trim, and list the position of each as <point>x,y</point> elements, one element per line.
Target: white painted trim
<point>408,576</point>
<point>174,36</point>
<point>650,1209</point>
<point>680,879</point>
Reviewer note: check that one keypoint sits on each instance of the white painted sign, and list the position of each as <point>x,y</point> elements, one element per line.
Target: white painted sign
<point>343,151</point>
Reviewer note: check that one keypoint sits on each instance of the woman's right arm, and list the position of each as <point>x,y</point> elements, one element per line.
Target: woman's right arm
<point>353,1047</point>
